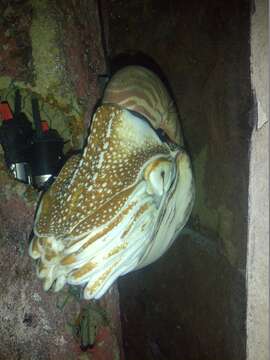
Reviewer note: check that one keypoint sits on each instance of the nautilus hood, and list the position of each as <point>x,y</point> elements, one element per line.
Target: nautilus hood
<point>118,149</point>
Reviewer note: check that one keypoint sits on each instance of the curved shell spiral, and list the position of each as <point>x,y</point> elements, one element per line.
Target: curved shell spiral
<point>139,89</point>
<point>119,205</point>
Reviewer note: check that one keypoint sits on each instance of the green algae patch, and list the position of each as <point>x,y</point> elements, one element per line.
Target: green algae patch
<point>48,59</point>
<point>5,82</point>
<point>208,217</point>
<point>225,225</point>
<point>216,221</point>
<point>51,79</point>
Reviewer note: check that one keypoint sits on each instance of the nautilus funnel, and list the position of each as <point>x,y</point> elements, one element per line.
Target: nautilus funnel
<point>121,204</point>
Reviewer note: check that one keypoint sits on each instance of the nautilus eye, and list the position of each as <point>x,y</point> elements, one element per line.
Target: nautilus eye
<point>119,205</point>
<point>158,176</point>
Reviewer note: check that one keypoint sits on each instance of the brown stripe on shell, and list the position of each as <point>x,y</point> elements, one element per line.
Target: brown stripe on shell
<point>132,86</point>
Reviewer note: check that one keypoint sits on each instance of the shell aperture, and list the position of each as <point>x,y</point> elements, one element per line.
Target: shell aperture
<point>110,209</point>
<point>139,89</point>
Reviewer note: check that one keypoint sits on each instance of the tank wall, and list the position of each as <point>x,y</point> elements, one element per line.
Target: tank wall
<point>192,302</point>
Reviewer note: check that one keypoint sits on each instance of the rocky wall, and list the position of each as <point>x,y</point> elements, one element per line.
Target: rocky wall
<point>53,51</point>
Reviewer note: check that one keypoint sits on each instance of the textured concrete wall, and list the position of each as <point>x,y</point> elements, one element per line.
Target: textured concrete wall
<point>258,249</point>
<point>258,236</point>
<point>259,42</point>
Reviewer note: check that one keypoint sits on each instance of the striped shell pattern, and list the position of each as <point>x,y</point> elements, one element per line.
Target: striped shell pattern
<point>121,204</point>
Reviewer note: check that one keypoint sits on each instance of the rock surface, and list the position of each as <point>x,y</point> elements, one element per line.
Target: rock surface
<point>52,51</point>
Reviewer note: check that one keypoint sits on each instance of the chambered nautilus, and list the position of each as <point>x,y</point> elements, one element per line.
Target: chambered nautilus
<point>121,204</point>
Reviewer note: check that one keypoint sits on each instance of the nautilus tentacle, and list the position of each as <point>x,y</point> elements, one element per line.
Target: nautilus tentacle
<point>122,203</point>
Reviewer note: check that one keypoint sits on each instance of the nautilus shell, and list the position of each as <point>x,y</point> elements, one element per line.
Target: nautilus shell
<point>121,204</point>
